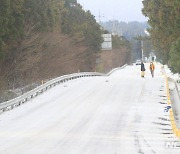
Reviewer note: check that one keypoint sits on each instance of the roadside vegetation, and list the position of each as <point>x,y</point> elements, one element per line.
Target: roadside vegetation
<point>44,39</point>
<point>46,15</point>
<point>164,21</point>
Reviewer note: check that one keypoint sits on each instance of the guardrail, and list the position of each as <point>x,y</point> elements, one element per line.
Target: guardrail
<point>9,105</point>
<point>115,69</point>
<point>39,90</point>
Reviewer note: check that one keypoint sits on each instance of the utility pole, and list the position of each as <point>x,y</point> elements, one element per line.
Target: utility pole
<point>100,16</point>
<point>113,30</point>
<point>142,51</point>
<point>114,27</point>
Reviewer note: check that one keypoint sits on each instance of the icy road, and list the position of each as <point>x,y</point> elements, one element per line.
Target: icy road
<point>119,114</point>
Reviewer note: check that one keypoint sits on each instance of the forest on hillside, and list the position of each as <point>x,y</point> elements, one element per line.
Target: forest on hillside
<point>46,15</point>
<point>128,30</point>
<point>57,35</point>
<point>164,22</point>
<point>44,39</point>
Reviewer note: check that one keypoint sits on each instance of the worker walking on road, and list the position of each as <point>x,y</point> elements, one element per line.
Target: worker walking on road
<point>142,70</point>
<point>152,68</point>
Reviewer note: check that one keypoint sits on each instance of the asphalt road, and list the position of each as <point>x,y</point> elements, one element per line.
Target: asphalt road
<point>119,114</point>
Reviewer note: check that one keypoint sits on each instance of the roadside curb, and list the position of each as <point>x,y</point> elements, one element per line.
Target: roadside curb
<point>175,129</point>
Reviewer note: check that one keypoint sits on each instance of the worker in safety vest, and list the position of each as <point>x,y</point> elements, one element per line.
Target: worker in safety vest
<point>152,68</point>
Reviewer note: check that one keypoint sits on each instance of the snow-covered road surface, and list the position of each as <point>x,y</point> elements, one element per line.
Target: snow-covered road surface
<point>119,114</point>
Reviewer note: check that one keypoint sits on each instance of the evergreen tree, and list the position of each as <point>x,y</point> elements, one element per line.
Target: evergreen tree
<point>4,21</point>
<point>46,15</point>
<point>175,56</point>
<point>164,21</point>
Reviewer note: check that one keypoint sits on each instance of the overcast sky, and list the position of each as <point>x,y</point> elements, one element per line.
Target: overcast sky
<point>122,10</point>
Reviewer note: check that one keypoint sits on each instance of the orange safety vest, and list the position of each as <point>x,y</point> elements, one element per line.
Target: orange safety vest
<point>152,67</point>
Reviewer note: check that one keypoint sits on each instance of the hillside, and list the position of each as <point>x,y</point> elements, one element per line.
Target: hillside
<point>44,56</point>
<point>41,40</point>
<point>128,30</point>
